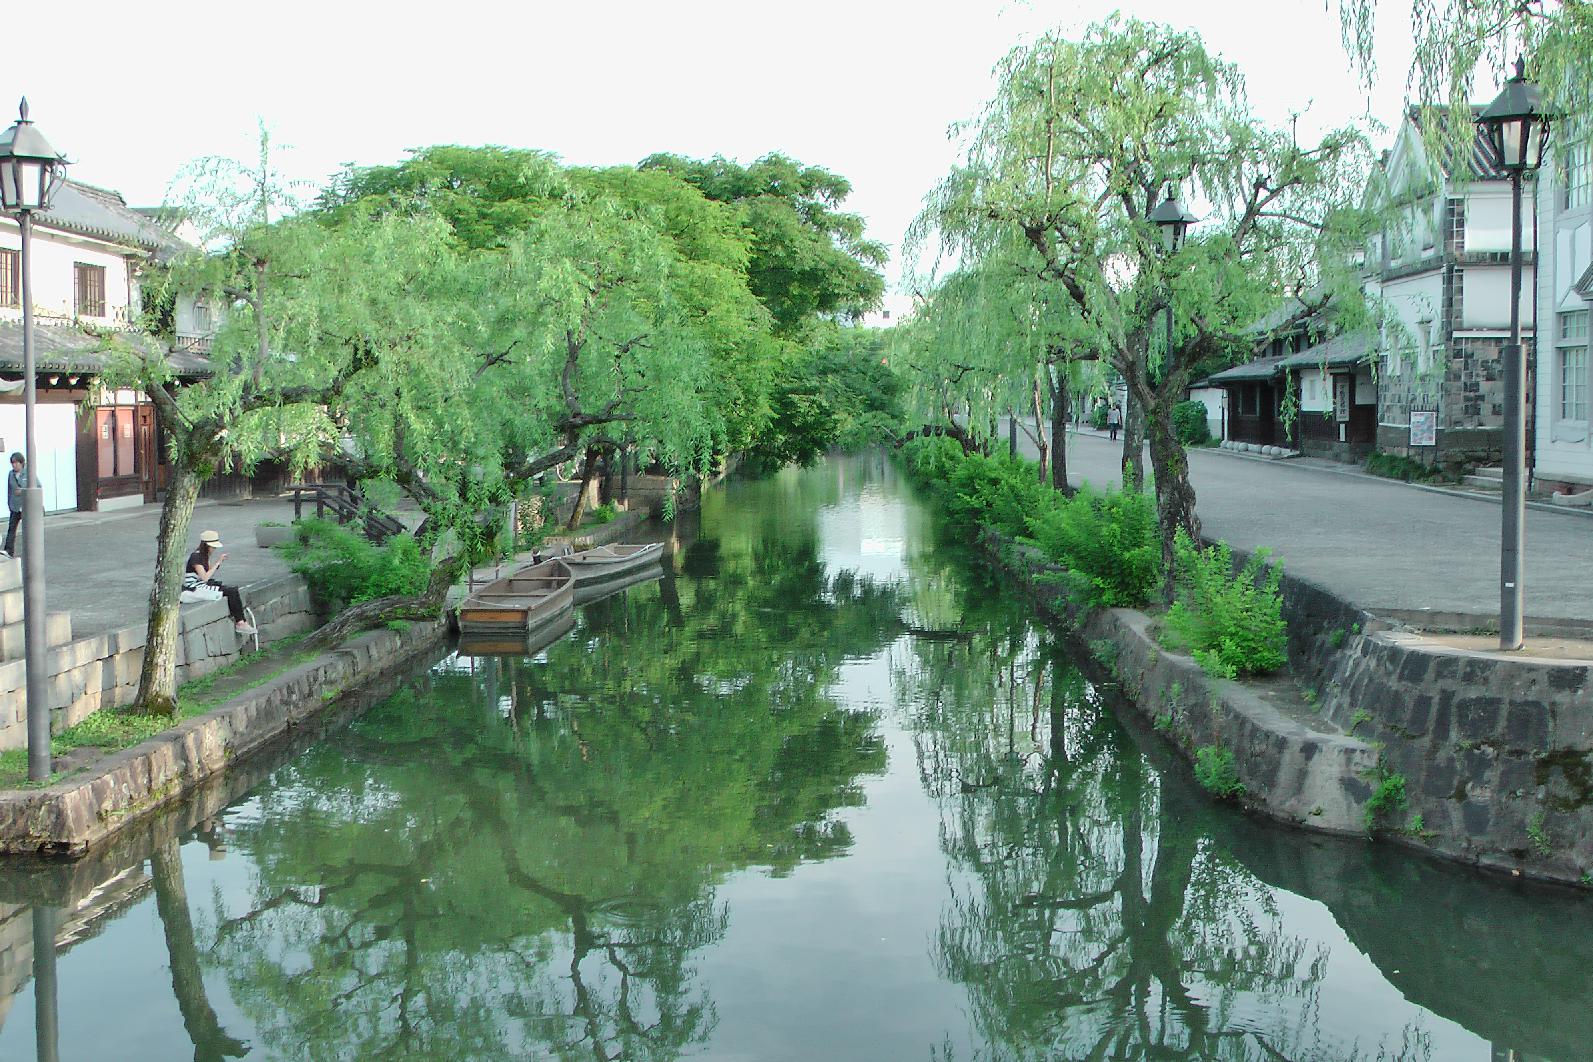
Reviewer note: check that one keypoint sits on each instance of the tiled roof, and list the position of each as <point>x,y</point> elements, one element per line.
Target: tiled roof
<point>1483,162</point>
<point>103,214</point>
<point>1347,349</point>
<point>1260,369</point>
<point>68,348</point>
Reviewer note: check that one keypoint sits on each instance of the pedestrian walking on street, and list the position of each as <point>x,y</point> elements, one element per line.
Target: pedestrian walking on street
<point>199,577</point>
<point>16,483</point>
<point>1114,420</point>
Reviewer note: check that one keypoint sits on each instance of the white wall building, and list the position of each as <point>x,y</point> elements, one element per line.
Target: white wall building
<point>1441,265</point>
<point>1563,382</point>
<point>89,252</point>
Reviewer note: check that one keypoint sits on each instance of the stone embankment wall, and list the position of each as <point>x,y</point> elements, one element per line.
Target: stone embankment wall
<point>1479,758</point>
<point>101,670</point>
<point>70,816</point>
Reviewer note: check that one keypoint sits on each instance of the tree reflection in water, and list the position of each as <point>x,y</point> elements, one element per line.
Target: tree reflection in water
<point>1092,920</point>
<point>522,855</point>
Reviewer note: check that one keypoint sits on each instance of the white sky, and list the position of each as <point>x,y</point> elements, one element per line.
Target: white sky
<point>865,88</point>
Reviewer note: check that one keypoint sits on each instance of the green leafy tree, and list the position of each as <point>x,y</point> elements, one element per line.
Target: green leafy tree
<point>809,258</point>
<point>322,322</point>
<point>1074,152</point>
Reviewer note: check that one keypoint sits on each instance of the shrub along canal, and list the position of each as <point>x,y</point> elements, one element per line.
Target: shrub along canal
<point>824,791</point>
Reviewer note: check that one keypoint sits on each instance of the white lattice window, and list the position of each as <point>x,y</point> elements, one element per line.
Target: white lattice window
<point>1577,169</point>
<point>1571,343</point>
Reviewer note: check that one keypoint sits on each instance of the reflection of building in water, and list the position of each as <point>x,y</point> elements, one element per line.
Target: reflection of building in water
<point>84,920</point>
<point>865,533</point>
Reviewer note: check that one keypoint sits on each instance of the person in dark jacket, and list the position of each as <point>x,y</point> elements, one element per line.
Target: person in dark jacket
<point>16,483</point>
<point>201,571</point>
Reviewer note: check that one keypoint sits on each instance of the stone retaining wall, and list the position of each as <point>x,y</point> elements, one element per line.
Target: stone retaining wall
<point>70,816</point>
<point>101,670</point>
<point>1493,755</point>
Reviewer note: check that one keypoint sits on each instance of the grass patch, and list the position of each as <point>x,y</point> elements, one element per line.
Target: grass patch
<point>114,729</point>
<point>1386,799</point>
<point>1215,771</point>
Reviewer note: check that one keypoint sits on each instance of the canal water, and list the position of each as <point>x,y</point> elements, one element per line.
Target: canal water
<point>824,791</point>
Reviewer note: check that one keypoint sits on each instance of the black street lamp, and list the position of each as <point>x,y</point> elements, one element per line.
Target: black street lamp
<point>1517,128</point>
<point>31,172</point>
<point>1174,222</point>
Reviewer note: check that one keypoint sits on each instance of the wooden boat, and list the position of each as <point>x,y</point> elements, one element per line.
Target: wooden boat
<point>516,644</point>
<point>522,603</point>
<point>588,593</point>
<point>603,564</point>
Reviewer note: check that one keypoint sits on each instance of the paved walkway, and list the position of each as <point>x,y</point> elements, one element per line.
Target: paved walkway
<point>1379,543</point>
<point>98,566</point>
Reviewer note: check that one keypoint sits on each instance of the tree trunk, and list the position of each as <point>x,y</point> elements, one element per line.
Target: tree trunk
<point>366,614</point>
<point>588,461</point>
<point>1039,429</point>
<point>157,682</point>
<point>1012,433</point>
<point>627,458</point>
<point>1133,443</point>
<point>1175,495</point>
<point>1059,428</point>
<point>605,482</point>
<point>210,1040</point>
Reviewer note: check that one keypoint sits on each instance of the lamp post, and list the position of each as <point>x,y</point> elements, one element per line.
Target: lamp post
<point>31,172</point>
<point>1174,222</point>
<point>1517,128</point>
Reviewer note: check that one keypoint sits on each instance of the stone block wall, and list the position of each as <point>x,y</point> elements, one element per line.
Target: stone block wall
<point>101,670</point>
<point>1495,754</point>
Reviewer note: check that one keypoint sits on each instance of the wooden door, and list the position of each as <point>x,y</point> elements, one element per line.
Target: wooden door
<point>148,455</point>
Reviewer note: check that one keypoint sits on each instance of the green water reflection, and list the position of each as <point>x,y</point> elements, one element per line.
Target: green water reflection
<point>686,828</point>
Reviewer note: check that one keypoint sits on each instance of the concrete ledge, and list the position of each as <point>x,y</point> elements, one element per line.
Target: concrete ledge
<point>70,817</point>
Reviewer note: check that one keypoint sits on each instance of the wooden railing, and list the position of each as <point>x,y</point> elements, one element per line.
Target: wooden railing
<point>346,507</point>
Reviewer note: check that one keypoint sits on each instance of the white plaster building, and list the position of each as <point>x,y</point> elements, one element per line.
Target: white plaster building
<point>89,252</point>
<point>1441,265</point>
<point>1563,450</point>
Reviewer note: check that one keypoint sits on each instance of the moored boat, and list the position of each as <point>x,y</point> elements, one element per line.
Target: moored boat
<point>516,643</point>
<point>523,602</point>
<point>604,564</point>
<point>587,593</point>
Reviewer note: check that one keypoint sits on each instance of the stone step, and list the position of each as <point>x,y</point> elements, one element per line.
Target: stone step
<point>1495,475</point>
<point>11,574</point>
<point>1475,482</point>
<point>57,631</point>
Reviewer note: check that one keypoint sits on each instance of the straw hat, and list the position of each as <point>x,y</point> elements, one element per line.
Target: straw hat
<point>210,538</point>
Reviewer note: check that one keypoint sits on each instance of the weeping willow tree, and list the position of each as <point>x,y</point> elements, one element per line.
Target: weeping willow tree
<point>1077,147</point>
<point>320,321</point>
<point>990,341</point>
<point>1455,40</point>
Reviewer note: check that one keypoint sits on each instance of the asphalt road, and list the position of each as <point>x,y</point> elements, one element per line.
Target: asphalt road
<point>1380,544</point>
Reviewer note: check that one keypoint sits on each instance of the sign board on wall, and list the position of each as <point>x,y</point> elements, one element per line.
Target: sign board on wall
<point>1423,428</point>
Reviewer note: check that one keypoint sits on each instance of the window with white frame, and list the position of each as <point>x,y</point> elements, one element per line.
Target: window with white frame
<point>1577,168</point>
<point>10,279</point>
<point>1571,343</point>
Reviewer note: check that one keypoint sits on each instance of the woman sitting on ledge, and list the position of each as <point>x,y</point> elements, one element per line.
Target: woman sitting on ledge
<point>199,576</point>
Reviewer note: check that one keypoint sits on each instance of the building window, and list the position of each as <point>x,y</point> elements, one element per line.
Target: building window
<point>1572,345</point>
<point>1577,169</point>
<point>10,279</point>
<point>1249,400</point>
<point>113,427</point>
<point>90,290</point>
<point>1457,226</point>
